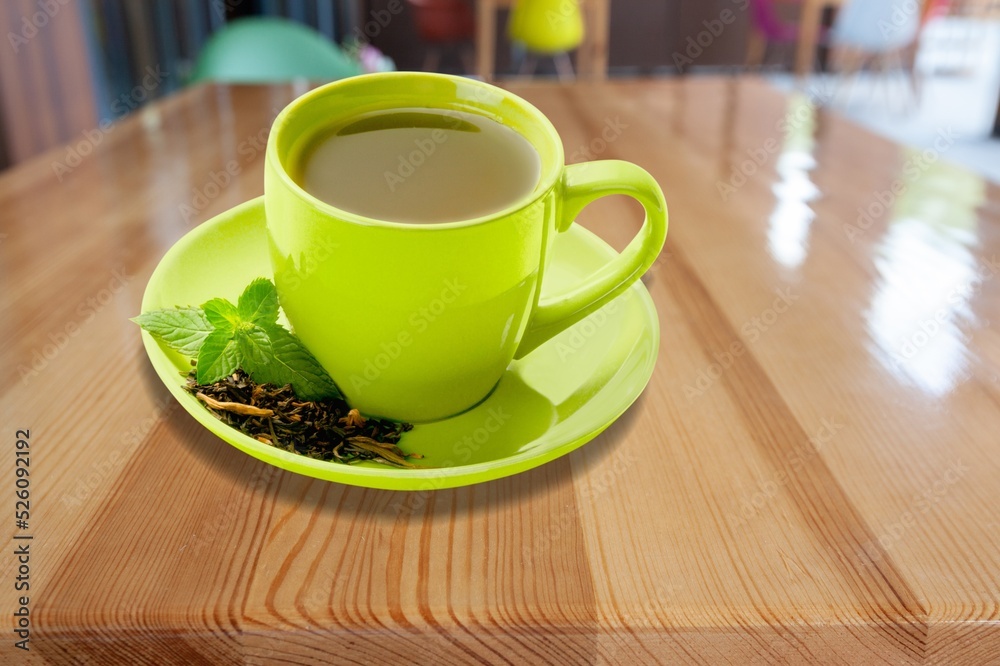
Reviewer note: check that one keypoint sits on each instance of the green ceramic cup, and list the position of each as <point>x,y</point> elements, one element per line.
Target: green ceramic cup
<point>419,321</point>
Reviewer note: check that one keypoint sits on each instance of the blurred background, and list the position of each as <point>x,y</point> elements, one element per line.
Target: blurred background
<point>904,68</point>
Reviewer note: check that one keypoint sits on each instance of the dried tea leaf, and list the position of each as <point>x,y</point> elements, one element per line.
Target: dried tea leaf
<point>317,429</point>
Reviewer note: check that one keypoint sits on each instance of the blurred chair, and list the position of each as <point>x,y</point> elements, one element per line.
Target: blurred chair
<point>263,50</point>
<point>879,35</point>
<point>591,57</point>
<point>445,25</point>
<point>811,32</point>
<point>548,28</point>
<point>768,28</point>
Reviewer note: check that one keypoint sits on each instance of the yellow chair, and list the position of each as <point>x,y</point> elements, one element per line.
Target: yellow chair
<point>547,27</point>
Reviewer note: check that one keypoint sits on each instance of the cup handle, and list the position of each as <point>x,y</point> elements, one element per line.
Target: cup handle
<point>582,184</point>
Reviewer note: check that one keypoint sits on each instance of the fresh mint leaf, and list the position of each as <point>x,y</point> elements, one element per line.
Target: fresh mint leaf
<point>291,363</point>
<point>182,329</point>
<point>253,344</point>
<point>223,337</point>
<point>222,315</point>
<point>259,303</point>
<point>219,357</point>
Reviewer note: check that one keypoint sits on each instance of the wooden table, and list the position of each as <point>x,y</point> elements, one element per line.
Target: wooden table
<point>811,475</point>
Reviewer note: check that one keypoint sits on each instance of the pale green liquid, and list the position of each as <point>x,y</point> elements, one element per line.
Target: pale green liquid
<point>421,166</point>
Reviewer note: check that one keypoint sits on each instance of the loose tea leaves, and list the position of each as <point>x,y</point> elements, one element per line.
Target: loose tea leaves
<point>322,429</point>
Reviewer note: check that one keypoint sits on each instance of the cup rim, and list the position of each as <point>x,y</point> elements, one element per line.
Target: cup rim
<point>547,179</point>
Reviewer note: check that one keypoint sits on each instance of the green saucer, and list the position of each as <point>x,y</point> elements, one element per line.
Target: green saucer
<point>555,399</point>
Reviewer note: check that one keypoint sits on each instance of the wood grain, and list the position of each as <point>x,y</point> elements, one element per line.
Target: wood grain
<point>794,486</point>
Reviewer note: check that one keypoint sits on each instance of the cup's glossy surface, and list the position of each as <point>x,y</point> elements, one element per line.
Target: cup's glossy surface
<point>418,322</point>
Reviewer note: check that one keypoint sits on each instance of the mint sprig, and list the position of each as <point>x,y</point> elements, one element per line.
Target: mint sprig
<point>223,337</point>
<point>183,329</point>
